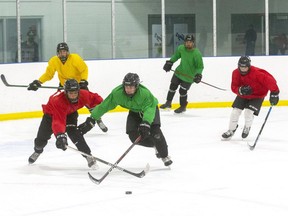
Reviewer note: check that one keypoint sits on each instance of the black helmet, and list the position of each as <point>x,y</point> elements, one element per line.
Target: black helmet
<point>71,85</point>
<point>131,79</point>
<point>244,61</point>
<point>62,46</point>
<point>189,37</point>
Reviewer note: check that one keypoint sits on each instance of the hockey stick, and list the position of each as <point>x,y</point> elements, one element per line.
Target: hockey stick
<point>98,181</point>
<point>213,86</point>
<point>251,147</point>
<point>3,78</point>
<point>204,82</point>
<point>139,175</point>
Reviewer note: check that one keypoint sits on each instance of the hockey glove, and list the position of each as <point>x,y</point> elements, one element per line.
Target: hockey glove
<point>168,65</point>
<point>245,90</point>
<point>34,85</point>
<point>197,78</point>
<point>83,84</point>
<point>144,130</point>
<point>87,125</point>
<point>274,98</point>
<point>61,141</point>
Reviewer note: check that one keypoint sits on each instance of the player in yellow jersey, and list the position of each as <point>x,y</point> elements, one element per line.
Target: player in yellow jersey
<point>68,66</point>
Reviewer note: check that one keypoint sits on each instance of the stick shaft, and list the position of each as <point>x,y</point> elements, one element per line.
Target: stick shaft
<point>98,181</point>
<point>213,86</point>
<point>254,145</point>
<point>3,78</point>
<point>203,82</point>
<point>140,175</point>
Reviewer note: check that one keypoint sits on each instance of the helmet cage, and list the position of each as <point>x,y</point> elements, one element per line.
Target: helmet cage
<point>131,79</point>
<point>62,46</point>
<point>244,61</point>
<point>71,85</point>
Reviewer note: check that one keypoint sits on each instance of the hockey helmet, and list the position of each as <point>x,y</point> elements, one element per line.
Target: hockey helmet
<point>244,61</point>
<point>189,37</point>
<point>131,79</point>
<point>71,85</point>
<point>62,46</point>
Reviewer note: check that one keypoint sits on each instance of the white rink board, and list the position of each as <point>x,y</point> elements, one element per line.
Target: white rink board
<point>104,75</point>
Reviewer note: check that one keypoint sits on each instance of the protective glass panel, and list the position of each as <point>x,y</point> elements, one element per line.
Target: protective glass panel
<point>240,29</point>
<point>89,33</point>
<point>278,26</point>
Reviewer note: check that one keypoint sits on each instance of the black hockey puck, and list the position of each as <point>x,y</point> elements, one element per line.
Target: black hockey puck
<point>128,192</point>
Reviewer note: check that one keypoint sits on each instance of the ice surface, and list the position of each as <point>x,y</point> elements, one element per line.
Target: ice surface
<point>208,176</point>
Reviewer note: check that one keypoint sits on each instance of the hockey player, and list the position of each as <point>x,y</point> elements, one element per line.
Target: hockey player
<point>251,85</point>
<point>69,66</point>
<point>60,116</point>
<point>189,71</point>
<point>143,118</point>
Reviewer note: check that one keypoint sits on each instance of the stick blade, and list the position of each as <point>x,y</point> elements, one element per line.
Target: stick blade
<point>4,80</point>
<point>251,147</point>
<point>94,180</point>
<point>144,172</point>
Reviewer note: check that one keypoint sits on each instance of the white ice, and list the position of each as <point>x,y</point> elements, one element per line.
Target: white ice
<point>208,176</point>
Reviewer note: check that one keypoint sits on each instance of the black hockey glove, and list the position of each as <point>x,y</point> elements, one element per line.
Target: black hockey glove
<point>34,85</point>
<point>245,90</point>
<point>87,125</point>
<point>274,98</point>
<point>83,84</point>
<point>197,78</point>
<point>144,130</point>
<point>168,65</point>
<point>61,141</point>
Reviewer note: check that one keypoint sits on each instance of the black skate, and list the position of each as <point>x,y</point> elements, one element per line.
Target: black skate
<point>101,125</point>
<point>181,109</point>
<point>228,135</point>
<point>167,105</point>
<point>167,161</point>
<point>245,132</point>
<point>33,157</point>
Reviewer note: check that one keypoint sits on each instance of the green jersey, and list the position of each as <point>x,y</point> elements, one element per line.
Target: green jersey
<point>142,101</point>
<point>190,65</point>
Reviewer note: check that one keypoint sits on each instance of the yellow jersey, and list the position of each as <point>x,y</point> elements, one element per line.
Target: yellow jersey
<point>74,68</point>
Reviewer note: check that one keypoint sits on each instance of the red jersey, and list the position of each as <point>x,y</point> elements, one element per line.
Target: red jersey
<point>260,81</point>
<point>58,107</point>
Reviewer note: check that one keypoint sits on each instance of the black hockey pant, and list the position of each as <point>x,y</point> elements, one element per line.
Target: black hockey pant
<point>156,137</point>
<point>183,90</point>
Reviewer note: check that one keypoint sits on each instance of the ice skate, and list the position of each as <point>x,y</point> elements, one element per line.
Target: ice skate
<point>181,109</point>
<point>92,163</point>
<point>167,161</point>
<point>167,105</point>
<point>33,157</point>
<point>101,125</point>
<point>228,135</point>
<point>245,132</point>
